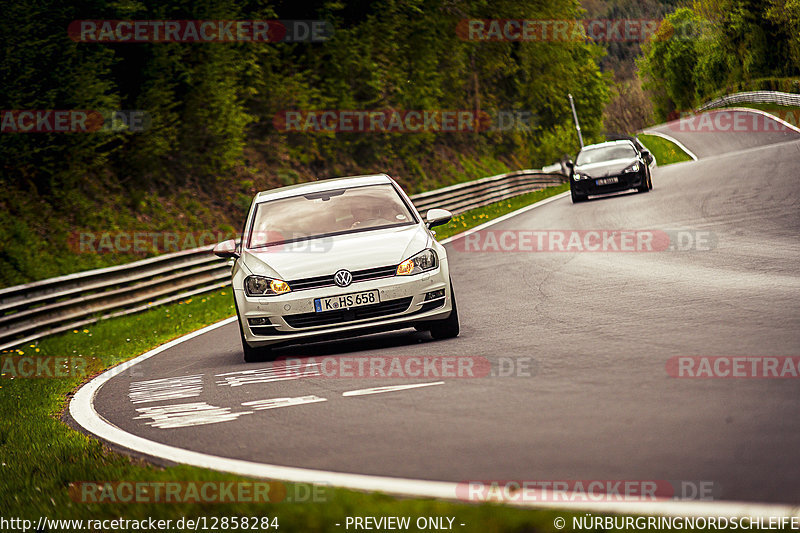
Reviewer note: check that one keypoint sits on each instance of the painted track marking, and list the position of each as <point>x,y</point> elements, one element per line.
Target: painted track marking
<point>156,390</point>
<point>187,415</point>
<point>389,388</point>
<point>274,403</point>
<point>83,412</point>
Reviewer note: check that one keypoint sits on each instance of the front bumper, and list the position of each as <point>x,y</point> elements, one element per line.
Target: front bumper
<point>291,317</point>
<point>628,180</point>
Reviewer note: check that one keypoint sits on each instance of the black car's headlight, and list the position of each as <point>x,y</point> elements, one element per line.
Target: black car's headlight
<point>633,168</point>
<point>423,261</point>
<point>263,286</point>
<point>578,177</point>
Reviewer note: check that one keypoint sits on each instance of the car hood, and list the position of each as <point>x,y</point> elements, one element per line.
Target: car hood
<point>606,168</point>
<point>353,251</point>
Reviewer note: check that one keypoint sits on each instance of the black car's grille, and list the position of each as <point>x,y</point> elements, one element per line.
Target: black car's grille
<point>307,320</point>
<point>327,281</point>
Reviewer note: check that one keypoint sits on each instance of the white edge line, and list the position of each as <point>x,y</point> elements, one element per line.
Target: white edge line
<point>82,411</point>
<point>674,140</point>
<point>760,112</point>
<point>504,217</point>
<point>389,388</point>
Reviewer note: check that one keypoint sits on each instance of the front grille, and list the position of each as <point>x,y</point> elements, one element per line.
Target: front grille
<point>327,281</point>
<point>307,320</point>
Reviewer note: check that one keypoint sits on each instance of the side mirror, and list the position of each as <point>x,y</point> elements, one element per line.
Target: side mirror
<point>226,249</point>
<point>437,217</point>
<point>647,156</point>
<point>570,164</point>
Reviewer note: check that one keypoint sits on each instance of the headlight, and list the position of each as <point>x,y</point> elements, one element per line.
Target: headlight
<point>425,260</point>
<point>262,286</point>
<point>576,176</point>
<point>633,168</point>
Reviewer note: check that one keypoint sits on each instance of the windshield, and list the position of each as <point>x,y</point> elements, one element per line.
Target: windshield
<point>605,153</point>
<point>326,213</point>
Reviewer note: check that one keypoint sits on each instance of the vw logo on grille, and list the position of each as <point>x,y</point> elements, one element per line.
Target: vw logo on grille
<point>343,278</point>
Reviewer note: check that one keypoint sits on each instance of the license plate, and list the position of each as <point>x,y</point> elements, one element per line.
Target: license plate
<point>346,301</point>
<point>607,181</point>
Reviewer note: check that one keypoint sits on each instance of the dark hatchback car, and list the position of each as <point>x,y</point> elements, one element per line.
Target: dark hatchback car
<point>609,167</point>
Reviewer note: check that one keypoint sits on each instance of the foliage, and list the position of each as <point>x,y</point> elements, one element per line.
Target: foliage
<point>212,109</point>
<point>719,46</point>
<point>666,152</point>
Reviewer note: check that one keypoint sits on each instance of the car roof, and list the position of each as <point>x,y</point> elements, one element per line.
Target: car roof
<point>608,143</point>
<point>323,185</point>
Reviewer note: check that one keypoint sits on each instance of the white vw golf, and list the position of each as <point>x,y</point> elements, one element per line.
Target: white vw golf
<point>338,257</point>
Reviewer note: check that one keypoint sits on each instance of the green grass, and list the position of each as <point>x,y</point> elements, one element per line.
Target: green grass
<point>474,217</point>
<point>56,222</point>
<point>41,455</point>
<point>666,152</point>
<point>790,114</point>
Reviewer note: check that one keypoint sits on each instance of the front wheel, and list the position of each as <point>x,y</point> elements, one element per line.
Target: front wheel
<point>254,355</point>
<point>449,327</point>
<point>647,182</point>
<point>251,355</point>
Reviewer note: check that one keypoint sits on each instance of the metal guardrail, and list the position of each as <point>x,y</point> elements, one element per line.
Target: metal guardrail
<point>464,196</point>
<point>753,97</point>
<point>35,310</point>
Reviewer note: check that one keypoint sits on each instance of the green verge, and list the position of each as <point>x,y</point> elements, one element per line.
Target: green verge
<point>41,455</point>
<point>770,108</point>
<point>475,217</point>
<point>666,152</point>
<point>787,113</point>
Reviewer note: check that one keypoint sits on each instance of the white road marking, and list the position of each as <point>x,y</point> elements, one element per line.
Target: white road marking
<point>674,140</point>
<point>83,412</point>
<point>389,388</point>
<point>156,390</point>
<point>187,415</point>
<point>504,218</point>
<point>268,375</point>
<point>760,112</point>
<point>274,403</point>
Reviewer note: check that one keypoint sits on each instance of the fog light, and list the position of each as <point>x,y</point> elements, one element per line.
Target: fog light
<point>258,321</point>
<point>433,295</point>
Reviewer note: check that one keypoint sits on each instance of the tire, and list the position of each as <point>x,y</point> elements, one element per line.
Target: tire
<point>576,198</point>
<point>449,327</point>
<point>254,355</point>
<point>646,186</point>
<point>251,355</point>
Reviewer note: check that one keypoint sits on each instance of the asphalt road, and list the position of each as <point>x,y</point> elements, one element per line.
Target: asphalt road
<point>598,329</point>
